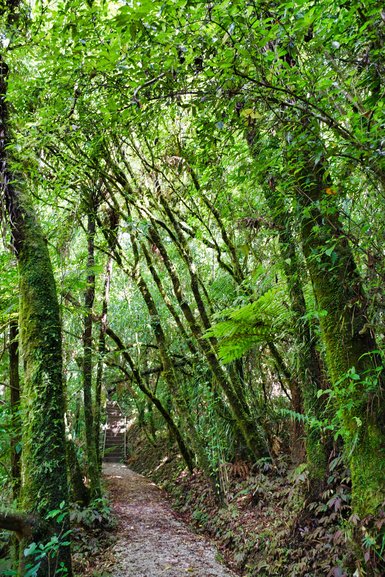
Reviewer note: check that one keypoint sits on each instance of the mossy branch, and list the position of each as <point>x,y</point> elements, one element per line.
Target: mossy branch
<point>20,523</point>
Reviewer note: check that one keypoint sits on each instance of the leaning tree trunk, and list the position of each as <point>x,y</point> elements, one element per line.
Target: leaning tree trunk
<point>251,431</point>
<point>174,430</point>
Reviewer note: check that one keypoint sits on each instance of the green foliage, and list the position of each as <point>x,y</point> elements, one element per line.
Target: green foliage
<point>98,513</point>
<point>345,393</point>
<point>47,554</point>
<point>250,138</point>
<point>251,325</point>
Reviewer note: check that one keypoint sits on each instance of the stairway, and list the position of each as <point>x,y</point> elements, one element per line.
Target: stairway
<point>114,434</point>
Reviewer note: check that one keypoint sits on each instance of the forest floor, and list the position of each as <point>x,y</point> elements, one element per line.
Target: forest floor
<point>265,524</point>
<point>150,539</point>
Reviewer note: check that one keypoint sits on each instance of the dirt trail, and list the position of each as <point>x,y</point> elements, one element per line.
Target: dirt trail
<point>151,541</point>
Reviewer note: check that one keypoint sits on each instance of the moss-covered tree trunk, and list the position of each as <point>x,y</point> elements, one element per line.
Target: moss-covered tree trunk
<point>44,455</point>
<point>16,441</point>
<point>347,335</point>
<point>14,383</point>
<point>44,471</point>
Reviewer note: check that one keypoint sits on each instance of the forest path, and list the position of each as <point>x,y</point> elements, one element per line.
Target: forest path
<point>151,541</point>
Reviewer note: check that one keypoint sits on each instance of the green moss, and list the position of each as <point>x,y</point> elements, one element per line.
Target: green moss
<point>340,297</point>
<point>44,454</point>
<point>316,457</point>
<point>368,471</point>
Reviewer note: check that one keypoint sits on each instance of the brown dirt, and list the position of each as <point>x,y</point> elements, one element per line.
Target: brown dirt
<point>151,541</point>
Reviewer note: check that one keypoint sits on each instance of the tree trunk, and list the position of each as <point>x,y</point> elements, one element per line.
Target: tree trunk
<point>174,431</point>
<point>250,430</point>
<point>350,346</point>
<point>44,456</point>
<point>14,383</point>
<point>102,352</point>
<point>89,297</point>
<point>80,493</point>
<point>167,300</point>
<point>309,369</point>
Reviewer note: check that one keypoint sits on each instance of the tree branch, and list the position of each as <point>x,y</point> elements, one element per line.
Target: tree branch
<point>20,523</point>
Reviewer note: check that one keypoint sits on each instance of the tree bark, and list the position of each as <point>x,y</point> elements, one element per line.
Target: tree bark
<point>309,370</point>
<point>89,297</point>
<point>14,383</point>
<point>349,342</point>
<point>80,493</point>
<point>20,523</point>
<point>44,456</point>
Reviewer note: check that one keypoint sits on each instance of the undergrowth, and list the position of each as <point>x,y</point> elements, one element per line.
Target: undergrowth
<point>266,523</point>
<point>93,532</point>
<point>268,527</point>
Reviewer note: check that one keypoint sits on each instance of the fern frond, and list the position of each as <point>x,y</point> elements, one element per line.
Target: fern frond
<point>249,325</point>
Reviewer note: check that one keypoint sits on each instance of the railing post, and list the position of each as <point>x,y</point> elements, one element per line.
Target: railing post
<point>125,439</point>
<point>105,433</point>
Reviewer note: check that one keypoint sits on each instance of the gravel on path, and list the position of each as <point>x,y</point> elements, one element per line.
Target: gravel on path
<point>151,541</point>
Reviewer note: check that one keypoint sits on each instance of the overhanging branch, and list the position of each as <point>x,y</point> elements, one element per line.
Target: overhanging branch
<point>21,523</point>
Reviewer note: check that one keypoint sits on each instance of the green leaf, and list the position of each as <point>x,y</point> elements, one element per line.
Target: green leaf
<point>30,549</point>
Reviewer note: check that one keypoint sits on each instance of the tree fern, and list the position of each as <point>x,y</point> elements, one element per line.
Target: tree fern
<point>256,323</point>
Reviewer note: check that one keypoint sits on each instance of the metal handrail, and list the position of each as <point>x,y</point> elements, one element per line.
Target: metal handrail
<point>104,439</point>
<point>125,439</point>
<point>125,431</point>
